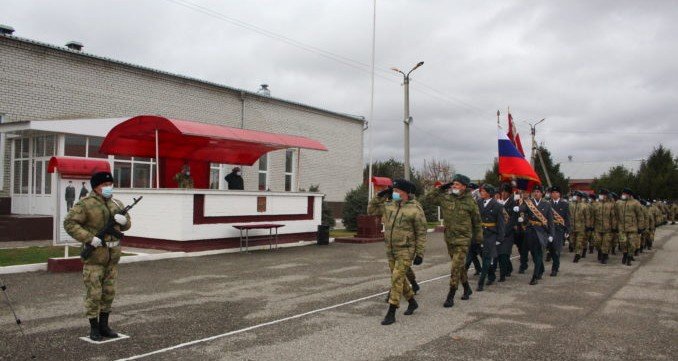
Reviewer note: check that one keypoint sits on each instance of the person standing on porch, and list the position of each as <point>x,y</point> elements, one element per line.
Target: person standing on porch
<point>183,178</point>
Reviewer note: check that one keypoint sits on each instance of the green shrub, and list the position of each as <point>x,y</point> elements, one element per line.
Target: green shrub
<point>355,204</point>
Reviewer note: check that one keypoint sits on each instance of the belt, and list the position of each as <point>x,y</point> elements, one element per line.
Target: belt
<point>536,223</point>
<point>112,244</point>
<point>488,224</point>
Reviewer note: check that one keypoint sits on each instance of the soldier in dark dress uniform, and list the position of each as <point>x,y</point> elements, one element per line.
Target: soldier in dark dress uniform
<point>561,220</point>
<point>537,215</point>
<point>492,220</point>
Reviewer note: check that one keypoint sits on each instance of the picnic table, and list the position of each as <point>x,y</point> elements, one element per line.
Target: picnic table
<point>271,237</point>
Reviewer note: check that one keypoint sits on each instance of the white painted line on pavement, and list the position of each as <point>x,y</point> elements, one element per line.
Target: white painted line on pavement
<point>254,327</point>
<point>120,337</point>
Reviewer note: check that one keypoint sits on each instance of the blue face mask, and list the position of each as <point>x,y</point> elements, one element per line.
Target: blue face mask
<point>107,192</point>
<point>396,196</point>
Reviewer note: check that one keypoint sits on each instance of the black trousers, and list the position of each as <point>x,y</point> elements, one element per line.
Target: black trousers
<point>472,257</point>
<point>536,251</point>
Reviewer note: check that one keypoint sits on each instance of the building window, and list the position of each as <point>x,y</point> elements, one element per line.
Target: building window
<point>289,169</point>
<point>134,172</point>
<point>21,162</point>
<point>263,172</point>
<point>215,172</point>
<point>81,146</point>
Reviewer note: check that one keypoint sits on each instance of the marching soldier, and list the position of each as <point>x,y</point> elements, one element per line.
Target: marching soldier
<point>405,237</point>
<point>461,218</point>
<point>580,222</point>
<point>561,220</point>
<point>631,224</point>
<point>649,219</point>
<point>614,241</point>
<point>100,272</point>
<point>510,230</point>
<point>605,223</point>
<point>493,220</point>
<point>538,217</point>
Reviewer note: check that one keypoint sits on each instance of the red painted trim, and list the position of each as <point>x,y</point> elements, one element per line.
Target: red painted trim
<point>211,244</point>
<point>73,264</point>
<point>200,218</point>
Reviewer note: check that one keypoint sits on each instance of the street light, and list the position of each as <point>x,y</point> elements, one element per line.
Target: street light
<point>407,119</point>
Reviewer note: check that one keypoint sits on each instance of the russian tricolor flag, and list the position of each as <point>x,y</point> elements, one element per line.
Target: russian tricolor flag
<point>512,165</point>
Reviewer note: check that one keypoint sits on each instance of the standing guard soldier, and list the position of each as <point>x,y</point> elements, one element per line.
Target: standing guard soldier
<point>580,223</point>
<point>631,224</point>
<point>605,223</point>
<point>561,220</point>
<point>493,220</point>
<point>538,217</point>
<point>100,272</point>
<point>405,237</point>
<point>461,219</point>
<point>510,230</point>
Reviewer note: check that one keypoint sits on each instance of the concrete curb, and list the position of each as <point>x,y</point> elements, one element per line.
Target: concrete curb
<point>157,256</point>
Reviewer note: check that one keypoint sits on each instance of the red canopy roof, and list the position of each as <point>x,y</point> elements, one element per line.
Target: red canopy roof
<point>189,140</point>
<point>77,167</point>
<point>382,181</point>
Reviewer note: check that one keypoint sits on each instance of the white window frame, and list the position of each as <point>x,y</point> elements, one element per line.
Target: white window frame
<point>2,155</point>
<point>264,171</point>
<point>292,173</point>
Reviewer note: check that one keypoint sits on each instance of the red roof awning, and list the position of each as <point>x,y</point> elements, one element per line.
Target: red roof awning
<point>189,140</point>
<point>77,167</point>
<point>382,181</point>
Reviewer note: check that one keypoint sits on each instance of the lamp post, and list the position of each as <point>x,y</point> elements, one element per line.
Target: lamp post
<point>407,119</point>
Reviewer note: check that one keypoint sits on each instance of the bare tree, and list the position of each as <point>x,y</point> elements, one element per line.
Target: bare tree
<point>435,170</point>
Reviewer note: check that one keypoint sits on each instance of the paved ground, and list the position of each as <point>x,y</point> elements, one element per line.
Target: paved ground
<point>313,303</point>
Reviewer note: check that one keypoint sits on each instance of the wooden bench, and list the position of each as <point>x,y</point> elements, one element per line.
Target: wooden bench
<point>271,237</point>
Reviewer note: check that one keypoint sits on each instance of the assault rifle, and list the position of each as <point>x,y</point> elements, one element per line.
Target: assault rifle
<point>108,229</point>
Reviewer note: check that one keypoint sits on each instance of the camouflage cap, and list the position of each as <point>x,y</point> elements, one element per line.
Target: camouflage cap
<point>461,179</point>
<point>404,185</point>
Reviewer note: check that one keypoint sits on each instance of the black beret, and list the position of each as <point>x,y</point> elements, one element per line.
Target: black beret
<point>603,191</point>
<point>461,179</point>
<point>555,189</point>
<point>100,177</point>
<point>627,191</point>
<point>404,185</point>
<point>506,187</point>
<point>538,187</point>
<point>489,189</point>
<point>473,185</point>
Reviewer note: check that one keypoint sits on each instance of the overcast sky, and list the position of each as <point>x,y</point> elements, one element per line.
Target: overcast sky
<point>604,74</point>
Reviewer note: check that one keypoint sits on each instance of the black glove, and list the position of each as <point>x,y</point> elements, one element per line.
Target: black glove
<point>388,192</point>
<point>445,186</point>
<point>641,230</point>
<point>418,260</point>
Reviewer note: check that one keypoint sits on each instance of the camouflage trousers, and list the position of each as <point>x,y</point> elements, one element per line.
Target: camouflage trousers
<point>410,275</point>
<point>647,238</point>
<point>590,238</point>
<point>629,242</point>
<point>399,263</point>
<point>579,238</point>
<point>605,242</point>
<point>614,242</point>
<point>458,272</point>
<point>100,288</point>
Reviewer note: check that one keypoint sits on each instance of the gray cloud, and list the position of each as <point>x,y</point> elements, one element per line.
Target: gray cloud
<point>603,73</point>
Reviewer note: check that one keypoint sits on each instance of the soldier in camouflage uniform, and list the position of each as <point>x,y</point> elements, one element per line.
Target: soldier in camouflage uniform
<point>100,272</point>
<point>614,241</point>
<point>659,220</point>
<point>631,224</point>
<point>461,218</point>
<point>580,222</point>
<point>605,223</point>
<point>183,178</point>
<point>649,219</point>
<point>673,211</point>
<point>405,237</point>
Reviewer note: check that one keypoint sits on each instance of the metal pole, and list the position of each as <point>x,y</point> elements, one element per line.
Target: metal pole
<point>157,161</point>
<point>543,167</point>
<point>370,187</point>
<point>406,84</point>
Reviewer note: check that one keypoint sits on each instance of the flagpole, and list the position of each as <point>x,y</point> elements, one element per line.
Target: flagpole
<point>371,118</point>
<point>498,113</point>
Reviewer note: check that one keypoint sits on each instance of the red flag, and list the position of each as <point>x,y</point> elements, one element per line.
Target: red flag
<point>513,166</point>
<point>513,135</point>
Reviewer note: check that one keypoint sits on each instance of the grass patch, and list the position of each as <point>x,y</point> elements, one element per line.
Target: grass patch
<point>341,233</point>
<point>28,255</point>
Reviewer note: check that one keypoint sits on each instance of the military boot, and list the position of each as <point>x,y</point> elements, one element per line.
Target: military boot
<point>591,249</point>
<point>548,257</point>
<point>467,291</point>
<point>635,253</point>
<point>449,301</point>
<point>614,251</point>
<point>583,254</point>
<point>390,316</point>
<point>577,257</point>
<point>104,330</point>
<point>624,257</point>
<point>600,256</point>
<point>94,333</point>
<point>604,258</point>
<point>413,305</point>
<point>415,287</point>
<point>628,260</point>
<point>533,281</point>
